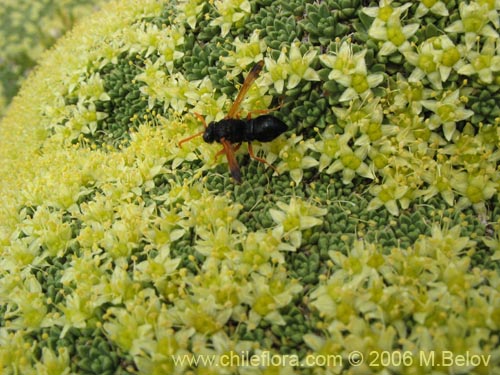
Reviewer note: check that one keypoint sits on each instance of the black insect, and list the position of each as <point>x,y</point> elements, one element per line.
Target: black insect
<point>232,129</point>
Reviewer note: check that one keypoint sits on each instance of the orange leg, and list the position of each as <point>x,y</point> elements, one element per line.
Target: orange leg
<point>189,138</point>
<point>261,112</point>
<point>199,117</point>
<point>223,150</point>
<point>252,155</point>
<point>258,112</point>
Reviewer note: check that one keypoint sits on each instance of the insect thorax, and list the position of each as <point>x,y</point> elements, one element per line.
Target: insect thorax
<point>232,130</point>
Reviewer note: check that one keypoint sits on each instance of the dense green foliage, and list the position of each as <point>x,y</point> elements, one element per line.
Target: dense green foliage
<point>124,253</point>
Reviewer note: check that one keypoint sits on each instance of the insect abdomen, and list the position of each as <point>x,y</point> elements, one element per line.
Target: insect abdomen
<point>265,128</point>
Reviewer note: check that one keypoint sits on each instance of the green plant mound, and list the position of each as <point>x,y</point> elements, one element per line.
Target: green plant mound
<point>374,249</point>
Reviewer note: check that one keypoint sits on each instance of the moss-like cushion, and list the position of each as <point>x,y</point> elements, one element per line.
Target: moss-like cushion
<point>374,249</point>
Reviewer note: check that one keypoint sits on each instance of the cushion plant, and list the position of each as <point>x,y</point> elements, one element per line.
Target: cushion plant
<point>374,249</point>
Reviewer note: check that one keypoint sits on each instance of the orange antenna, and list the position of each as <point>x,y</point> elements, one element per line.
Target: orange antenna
<point>199,117</point>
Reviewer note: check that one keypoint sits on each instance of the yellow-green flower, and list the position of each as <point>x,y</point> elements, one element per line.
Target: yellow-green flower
<point>54,364</point>
<point>294,159</point>
<point>494,244</point>
<point>387,27</point>
<point>435,59</point>
<point>268,294</point>
<point>388,195</point>
<point>133,327</point>
<point>473,189</point>
<point>84,121</point>
<point>203,313</point>
<point>260,253</point>
<point>92,89</point>
<point>434,6</point>
<point>291,68</point>
<point>190,11</point>
<point>31,309</point>
<point>292,219</point>
<point>439,178</point>
<point>349,69</point>
<point>277,72</point>
<point>329,146</point>
<point>230,13</point>
<point>299,66</point>
<point>48,229</point>
<point>474,21</point>
<point>245,53</point>
<point>164,41</point>
<point>447,112</point>
<point>486,64</point>
<point>351,163</point>
<point>156,269</point>
<point>15,350</point>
